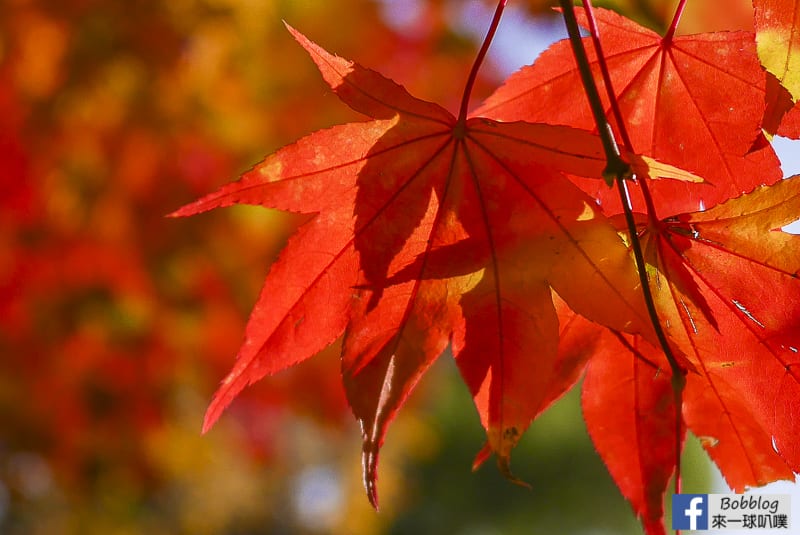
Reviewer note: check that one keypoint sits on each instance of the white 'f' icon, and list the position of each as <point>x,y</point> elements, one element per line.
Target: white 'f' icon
<point>693,512</point>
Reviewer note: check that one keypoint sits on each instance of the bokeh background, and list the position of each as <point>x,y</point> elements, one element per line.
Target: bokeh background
<point>116,323</point>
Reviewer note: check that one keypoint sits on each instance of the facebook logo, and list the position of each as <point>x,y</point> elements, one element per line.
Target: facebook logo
<point>690,511</point>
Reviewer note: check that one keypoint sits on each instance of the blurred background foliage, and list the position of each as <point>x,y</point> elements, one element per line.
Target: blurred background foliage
<point>116,323</point>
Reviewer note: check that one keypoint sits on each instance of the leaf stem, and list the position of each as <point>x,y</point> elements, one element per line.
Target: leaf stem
<point>498,13</point>
<point>675,20</point>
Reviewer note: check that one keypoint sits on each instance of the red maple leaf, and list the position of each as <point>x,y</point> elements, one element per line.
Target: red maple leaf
<point>428,231</point>
<point>695,101</point>
<point>629,408</point>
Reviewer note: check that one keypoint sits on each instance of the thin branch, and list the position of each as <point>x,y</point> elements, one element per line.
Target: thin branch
<point>678,374</point>
<point>614,157</point>
<point>616,167</point>
<point>622,171</point>
<point>607,134</point>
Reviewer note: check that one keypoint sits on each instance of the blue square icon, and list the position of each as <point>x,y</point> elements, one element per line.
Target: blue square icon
<point>690,511</point>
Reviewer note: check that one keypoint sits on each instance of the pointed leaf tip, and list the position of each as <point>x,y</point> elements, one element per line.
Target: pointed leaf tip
<point>504,465</point>
<point>292,30</point>
<point>369,461</point>
<point>209,420</point>
<point>481,456</point>
<point>334,69</point>
<point>644,165</point>
<point>230,387</point>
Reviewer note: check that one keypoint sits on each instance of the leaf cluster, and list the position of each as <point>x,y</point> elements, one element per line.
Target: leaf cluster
<point>492,234</point>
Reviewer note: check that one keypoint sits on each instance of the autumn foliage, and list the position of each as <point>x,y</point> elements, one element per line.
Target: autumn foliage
<point>493,234</point>
<point>488,231</point>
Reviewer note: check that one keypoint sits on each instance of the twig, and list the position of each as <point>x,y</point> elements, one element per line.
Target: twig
<point>618,170</point>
